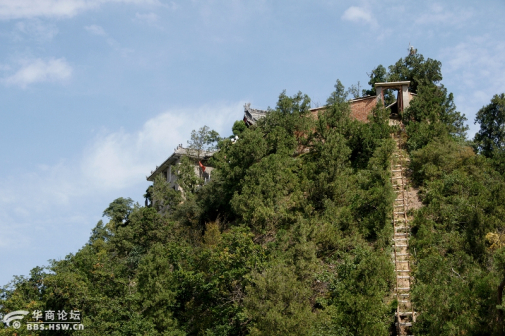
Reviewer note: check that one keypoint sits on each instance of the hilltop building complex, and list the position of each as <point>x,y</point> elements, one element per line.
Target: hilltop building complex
<point>360,110</point>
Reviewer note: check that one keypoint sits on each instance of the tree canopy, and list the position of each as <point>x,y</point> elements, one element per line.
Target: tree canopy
<point>490,139</point>
<point>203,140</point>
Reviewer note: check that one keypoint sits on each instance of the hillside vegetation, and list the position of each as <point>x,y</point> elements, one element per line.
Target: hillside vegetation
<point>292,235</point>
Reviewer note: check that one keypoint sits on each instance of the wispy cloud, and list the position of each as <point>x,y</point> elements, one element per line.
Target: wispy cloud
<point>35,29</point>
<point>149,18</point>
<point>438,14</point>
<point>477,68</point>
<point>120,159</point>
<point>360,15</point>
<point>99,31</point>
<point>95,30</point>
<point>38,70</point>
<point>17,9</point>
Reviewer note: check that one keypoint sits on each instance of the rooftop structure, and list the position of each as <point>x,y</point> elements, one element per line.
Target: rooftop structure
<point>252,115</point>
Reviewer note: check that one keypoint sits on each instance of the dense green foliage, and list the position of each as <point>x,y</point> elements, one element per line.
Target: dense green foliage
<point>457,274</point>
<point>292,234</point>
<point>456,279</point>
<point>490,140</point>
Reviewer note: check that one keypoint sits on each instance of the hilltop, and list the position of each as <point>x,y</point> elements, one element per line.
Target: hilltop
<point>293,233</point>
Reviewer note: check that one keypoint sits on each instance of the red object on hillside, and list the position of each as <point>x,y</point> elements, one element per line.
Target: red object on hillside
<point>201,165</point>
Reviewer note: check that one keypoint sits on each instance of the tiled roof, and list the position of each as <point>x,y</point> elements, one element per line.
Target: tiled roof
<point>252,115</point>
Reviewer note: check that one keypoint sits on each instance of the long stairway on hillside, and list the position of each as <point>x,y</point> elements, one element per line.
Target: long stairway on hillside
<point>405,314</point>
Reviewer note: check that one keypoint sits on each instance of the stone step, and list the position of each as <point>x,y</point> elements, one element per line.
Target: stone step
<point>403,313</point>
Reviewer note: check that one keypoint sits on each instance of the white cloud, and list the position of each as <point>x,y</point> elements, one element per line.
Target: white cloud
<point>36,29</point>
<point>16,9</point>
<point>95,30</point>
<point>39,70</point>
<point>360,14</point>
<point>119,159</point>
<point>477,68</point>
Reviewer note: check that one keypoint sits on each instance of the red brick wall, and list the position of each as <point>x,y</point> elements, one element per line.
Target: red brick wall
<point>360,109</point>
<point>315,111</point>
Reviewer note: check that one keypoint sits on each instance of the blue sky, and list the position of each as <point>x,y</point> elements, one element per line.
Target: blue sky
<point>95,93</point>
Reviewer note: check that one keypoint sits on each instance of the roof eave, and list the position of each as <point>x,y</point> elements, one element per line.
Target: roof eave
<point>161,167</point>
<point>391,84</point>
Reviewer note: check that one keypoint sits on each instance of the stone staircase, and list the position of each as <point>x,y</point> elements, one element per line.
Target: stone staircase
<point>405,314</point>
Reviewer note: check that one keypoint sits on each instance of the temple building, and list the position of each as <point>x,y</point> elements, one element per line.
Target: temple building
<point>168,168</point>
